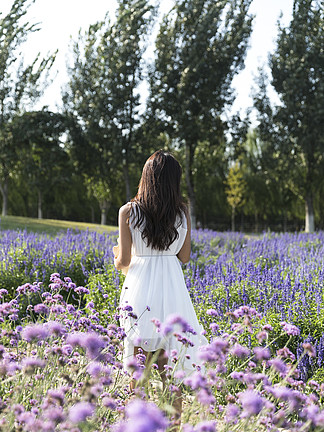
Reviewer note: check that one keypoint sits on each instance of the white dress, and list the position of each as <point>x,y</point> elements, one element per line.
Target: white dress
<point>155,289</point>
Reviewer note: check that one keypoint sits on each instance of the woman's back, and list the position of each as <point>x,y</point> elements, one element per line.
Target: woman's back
<point>139,246</point>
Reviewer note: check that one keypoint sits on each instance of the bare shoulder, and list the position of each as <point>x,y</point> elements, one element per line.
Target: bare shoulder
<point>124,211</point>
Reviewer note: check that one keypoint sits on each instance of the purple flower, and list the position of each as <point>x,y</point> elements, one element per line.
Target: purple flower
<point>177,319</point>
<point>309,349</point>
<point>94,369</point>
<point>262,353</point>
<point>252,403</point>
<point>32,363</point>
<point>80,411</point>
<point>240,351</point>
<point>206,426</point>
<point>56,328</point>
<point>286,353</point>
<point>41,309</point>
<point>232,412</point>
<point>142,417</point>
<point>245,311</point>
<point>196,380</point>
<point>281,392</point>
<point>109,402</point>
<point>94,345</point>
<point>212,312</point>
<point>157,324</point>
<point>57,395</point>
<point>212,352</point>
<point>166,329</point>
<point>290,329</point>
<point>35,332</point>
<point>89,341</point>
<point>214,327</point>
<point>279,366</point>
<point>55,414</point>
<point>205,397</point>
<point>81,290</point>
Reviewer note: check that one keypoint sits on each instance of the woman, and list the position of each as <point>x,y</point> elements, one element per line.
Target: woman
<point>154,234</point>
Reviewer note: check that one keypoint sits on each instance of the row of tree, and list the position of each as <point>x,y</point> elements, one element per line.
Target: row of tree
<point>87,159</point>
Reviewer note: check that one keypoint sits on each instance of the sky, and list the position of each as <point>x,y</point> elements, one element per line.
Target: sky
<point>60,21</point>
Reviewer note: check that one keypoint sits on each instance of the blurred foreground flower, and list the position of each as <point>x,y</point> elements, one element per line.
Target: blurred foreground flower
<point>142,417</point>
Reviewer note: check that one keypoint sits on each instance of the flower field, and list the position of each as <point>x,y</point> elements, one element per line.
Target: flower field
<point>260,300</point>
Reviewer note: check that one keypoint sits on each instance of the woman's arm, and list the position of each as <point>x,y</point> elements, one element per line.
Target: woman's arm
<point>184,253</point>
<point>123,259</point>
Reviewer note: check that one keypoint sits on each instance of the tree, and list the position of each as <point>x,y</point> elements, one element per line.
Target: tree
<point>297,68</point>
<point>201,45</point>
<point>19,85</point>
<point>103,90</point>
<point>44,162</point>
<point>235,190</point>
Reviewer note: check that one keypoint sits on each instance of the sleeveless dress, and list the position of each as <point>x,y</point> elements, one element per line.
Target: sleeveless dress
<point>155,289</point>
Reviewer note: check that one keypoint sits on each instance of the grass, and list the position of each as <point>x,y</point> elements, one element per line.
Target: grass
<point>49,226</point>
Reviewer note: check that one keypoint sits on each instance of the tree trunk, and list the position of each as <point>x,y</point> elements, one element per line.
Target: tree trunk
<point>126,178</point>
<point>103,216</point>
<point>39,207</point>
<point>4,193</point>
<point>190,185</point>
<point>104,206</point>
<point>256,222</point>
<point>233,219</point>
<point>309,216</point>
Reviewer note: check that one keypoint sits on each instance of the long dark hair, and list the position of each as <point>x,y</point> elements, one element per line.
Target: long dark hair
<point>158,201</point>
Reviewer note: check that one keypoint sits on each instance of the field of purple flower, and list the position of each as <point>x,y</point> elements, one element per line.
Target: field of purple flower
<point>259,300</point>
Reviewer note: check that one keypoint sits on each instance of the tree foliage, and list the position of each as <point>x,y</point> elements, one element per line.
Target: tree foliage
<point>235,189</point>
<point>297,68</point>
<point>20,85</point>
<point>201,45</point>
<point>103,91</point>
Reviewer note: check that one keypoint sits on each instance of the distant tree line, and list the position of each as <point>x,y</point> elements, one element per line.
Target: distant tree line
<point>85,161</point>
